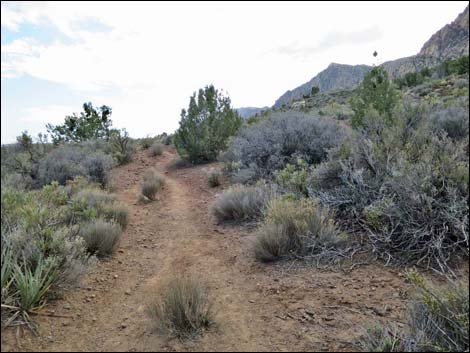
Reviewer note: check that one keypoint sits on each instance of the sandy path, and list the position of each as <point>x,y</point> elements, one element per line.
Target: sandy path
<point>258,307</point>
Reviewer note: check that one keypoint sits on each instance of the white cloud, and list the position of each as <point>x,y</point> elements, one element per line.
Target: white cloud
<point>157,54</point>
<point>53,114</point>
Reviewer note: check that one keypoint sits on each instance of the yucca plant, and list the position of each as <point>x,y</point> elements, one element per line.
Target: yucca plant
<point>7,269</point>
<point>33,285</point>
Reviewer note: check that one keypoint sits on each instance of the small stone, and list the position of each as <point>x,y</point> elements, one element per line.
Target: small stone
<point>65,323</point>
<point>251,301</point>
<point>67,306</point>
<point>50,338</point>
<point>123,325</point>
<point>127,292</point>
<point>115,276</point>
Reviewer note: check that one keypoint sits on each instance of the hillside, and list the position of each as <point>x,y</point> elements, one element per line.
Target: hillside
<point>449,42</point>
<point>246,112</point>
<point>335,76</point>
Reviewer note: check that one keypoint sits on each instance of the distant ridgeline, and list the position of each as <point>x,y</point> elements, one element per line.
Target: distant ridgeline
<point>450,42</point>
<point>247,112</point>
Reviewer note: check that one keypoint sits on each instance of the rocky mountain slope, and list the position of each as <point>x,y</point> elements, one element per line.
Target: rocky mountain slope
<point>449,42</point>
<point>335,76</point>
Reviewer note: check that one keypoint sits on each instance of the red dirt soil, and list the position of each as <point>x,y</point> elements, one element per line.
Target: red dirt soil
<point>259,307</point>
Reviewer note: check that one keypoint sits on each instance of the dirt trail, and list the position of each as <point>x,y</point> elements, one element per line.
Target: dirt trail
<point>258,307</point>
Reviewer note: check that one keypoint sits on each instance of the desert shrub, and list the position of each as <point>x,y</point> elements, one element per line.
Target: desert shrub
<point>213,179</point>
<point>101,238</point>
<point>453,120</point>
<point>121,147</point>
<point>156,149</point>
<point>242,203</point>
<point>461,83</point>
<point>295,227</point>
<point>283,138</point>
<point>206,126</point>
<point>168,140</point>
<point>183,309</point>
<point>403,183</point>
<point>68,161</point>
<point>153,183</point>
<point>146,142</point>
<point>378,338</point>
<point>91,203</point>
<point>293,178</point>
<point>116,213</point>
<point>97,167</point>
<point>41,250</point>
<point>20,160</point>
<point>437,320</point>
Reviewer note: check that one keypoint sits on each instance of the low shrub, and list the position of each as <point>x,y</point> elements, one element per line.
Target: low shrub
<point>41,240</point>
<point>405,184</point>
<point>295,227</point>
<point>147,142</point>
<point>91,203</point>
<point>453,120</point>
<point>213,179</point>
<point>68,161</point>
<point>438,322</point>
<point>183,310</point>
<point>293,178</point>
<point>101,238</point>
<point>153,183</point>
<point>242,203</point>
<point>156,149</point>
<point>121,146</point>
<point>281,139</point>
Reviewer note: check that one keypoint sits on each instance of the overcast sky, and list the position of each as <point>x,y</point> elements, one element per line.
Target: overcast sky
<point>145,59</point>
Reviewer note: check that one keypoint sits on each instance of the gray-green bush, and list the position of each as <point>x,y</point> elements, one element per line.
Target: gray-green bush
<point>271,144</point>
<point>213,179</point>
<point>437,320</point>
<point>295,228</point>
<point>156,149</point>
<point>68,161</point>
<point>242,203</point>
<point>101,237</point>
<point>405,184</point>
<point>153,183</point>
<point>183,309</point>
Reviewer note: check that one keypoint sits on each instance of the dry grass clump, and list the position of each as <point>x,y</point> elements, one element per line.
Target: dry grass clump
<point>153,183</point>
<point>183,309</point>
<point>213,179</point>
<point>438,322</point>
<point>242,203</point>
<point>295,227</point>
<point>101,238</point>
<point>156,149</point>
